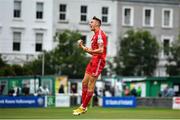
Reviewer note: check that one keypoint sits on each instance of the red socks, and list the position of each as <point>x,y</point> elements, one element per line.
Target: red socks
<point>84,92</point>
<point>86,96</point>
<point>87,99</point>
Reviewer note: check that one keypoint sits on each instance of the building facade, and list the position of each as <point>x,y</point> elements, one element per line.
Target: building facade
<point>76,14</point>
<point>27,27</point>
<point>160,17</point>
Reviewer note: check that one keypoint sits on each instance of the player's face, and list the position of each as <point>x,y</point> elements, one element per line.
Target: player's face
<point>93,24</point>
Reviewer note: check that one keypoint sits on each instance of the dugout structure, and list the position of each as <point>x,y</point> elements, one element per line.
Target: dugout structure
<point>26,85</point>
<point>153,86</point>
<point>152,90</point>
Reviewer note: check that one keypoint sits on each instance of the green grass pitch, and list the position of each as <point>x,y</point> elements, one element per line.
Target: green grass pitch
<point>93,113</point>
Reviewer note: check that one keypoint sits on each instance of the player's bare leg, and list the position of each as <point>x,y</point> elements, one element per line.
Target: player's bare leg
<point>91,86</point>
<point>92,81</point>
<point>85,82</point>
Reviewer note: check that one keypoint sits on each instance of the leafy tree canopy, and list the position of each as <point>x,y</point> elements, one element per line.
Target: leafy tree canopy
<point>137,54</point>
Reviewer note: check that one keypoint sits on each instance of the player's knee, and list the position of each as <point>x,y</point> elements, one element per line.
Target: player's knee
<point>85,82</point>
<point>91,88</point>
<point>92,81</point>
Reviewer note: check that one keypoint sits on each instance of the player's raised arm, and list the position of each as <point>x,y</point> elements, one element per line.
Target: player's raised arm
<point>86,49</point>
<point>96,51</point>
<point>89,50</point>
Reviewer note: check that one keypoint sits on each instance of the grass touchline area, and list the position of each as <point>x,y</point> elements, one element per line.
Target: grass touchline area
<point>93,113</point>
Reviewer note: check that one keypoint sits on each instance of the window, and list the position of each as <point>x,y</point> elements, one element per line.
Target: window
<point>17,9</point>
<point>83,13</point>
<point>166,47</point>
<point>167,18</point>
<point>39,41</point>
<point>105,14</point>
<point>84,38</point>
<point>166,43</point>
<point>16,41</point>
<point>62,12</point>
<point>148,17</point>
<point>39,10</point>
<point>128,16</point>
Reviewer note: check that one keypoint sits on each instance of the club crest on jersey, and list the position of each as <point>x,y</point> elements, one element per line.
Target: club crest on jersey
<point>100,39</point>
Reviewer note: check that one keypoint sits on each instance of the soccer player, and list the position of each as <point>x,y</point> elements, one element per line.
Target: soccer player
<point>96,64</point>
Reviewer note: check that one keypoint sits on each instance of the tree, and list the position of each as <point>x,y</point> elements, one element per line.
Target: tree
<point>173,68</point>
<point>71,60</point>
<point>2,63</point>
<point>66,59</point>
<point>18,70</point>
<point>137,54</point>
<point>5,69</point>
<point>34,67</point>
<point>11,70</point>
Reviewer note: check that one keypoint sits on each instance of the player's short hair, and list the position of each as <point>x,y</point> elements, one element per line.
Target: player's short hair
<point>97,19</point>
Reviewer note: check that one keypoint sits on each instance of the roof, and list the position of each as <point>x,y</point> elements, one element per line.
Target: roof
<point>138,79</point>
<point>176,2</point>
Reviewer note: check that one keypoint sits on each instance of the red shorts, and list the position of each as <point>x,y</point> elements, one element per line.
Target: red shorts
<point>95,66</point>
